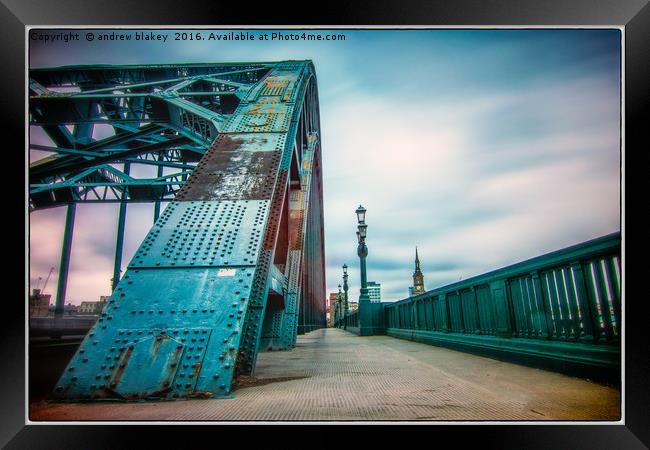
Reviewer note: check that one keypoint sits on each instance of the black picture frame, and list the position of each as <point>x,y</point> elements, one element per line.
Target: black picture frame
<point>634,15</point>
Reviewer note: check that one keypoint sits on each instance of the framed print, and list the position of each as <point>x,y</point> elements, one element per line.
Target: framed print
<point>192,186</point>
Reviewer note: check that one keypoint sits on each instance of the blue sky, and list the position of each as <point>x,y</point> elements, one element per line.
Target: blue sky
<point>481,147</point>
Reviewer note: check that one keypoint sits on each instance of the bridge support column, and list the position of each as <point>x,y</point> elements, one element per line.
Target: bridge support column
<point>156,206</point>
<point>65,260</point>
<point>119,240</point>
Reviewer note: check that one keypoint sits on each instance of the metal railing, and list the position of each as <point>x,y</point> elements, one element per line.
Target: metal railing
<point>353,319</point>
<point>571,295</point>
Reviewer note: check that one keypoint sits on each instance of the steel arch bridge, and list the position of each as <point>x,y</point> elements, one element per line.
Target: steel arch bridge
<point>235,263</point>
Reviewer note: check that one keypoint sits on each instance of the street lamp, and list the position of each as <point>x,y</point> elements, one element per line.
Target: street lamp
<point>345,297</point>
<point>361,214</point>
<point>365,315</point>
<point>340,308</point>
<point>337,313</point>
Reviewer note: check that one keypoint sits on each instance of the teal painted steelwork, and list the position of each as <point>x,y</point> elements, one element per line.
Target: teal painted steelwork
<point>65,260</point>
<point>353,321</point>
<point>230,264</point>
<point>156,207</point>
<point>163,115</point>
<point>119,241</point>
<point>560,310</point>
<point>366,323</point>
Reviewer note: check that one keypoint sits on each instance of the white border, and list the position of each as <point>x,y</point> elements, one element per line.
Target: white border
<point>328,27</point>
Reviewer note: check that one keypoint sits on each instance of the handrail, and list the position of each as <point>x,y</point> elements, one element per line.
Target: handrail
<point>573,294</point>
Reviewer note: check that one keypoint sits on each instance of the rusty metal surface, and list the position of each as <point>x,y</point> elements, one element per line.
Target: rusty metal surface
<point>241,166</point>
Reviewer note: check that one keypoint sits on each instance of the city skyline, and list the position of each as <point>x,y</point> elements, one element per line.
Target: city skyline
<point>482,147</point>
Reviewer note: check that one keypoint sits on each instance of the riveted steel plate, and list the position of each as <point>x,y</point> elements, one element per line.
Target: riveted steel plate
<point>293,288</point>
<point>199,309</point>
<point>195,233</point>
<point>159,365</point>
<point>238,166</point>
<point>258,142</point>
<point>288,66</point>
<point>147,366</point>
<point>276,85</point>
<point>277,82</point>
<point>260,117</point>
<point>269,100</point>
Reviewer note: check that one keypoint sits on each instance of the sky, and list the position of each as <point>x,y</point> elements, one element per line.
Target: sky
<point>480,147</point>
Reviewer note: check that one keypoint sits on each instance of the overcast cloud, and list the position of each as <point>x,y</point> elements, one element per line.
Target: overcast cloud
<point>483,148</point>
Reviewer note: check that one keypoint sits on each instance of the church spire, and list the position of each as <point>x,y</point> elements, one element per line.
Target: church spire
<point>418,278</point>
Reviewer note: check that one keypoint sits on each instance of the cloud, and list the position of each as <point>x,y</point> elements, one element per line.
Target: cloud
<point>483,182</point>
<point>481,148</point>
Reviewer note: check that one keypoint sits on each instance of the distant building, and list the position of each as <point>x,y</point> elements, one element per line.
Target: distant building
<point>418,278</point>
<point>328,315</point>
<point>352,306</point>
<point>331,309</point>
<point>374,291</point>
<point>39,304</point>
<point>93,307</point>
<point>68,310</point>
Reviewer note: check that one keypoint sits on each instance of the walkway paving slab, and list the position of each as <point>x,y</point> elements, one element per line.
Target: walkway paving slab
<point>333,375</point>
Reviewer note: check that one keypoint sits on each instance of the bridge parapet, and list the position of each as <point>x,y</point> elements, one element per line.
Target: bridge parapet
<point>561,310</point>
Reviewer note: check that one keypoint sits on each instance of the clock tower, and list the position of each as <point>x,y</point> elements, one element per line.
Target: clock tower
<point>418,278</point>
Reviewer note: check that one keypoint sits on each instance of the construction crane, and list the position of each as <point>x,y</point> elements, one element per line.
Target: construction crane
<point>47,279</point>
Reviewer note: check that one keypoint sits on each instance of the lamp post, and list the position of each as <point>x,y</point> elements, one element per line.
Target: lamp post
<point>365,314</point>
<point>336,314</point>
<point>340,308</point>
<point>345,297</point>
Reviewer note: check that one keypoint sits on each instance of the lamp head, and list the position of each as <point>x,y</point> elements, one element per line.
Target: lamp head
<point>361,214</point>
<point>363,228</point>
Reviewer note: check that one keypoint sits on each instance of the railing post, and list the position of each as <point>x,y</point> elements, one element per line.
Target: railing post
<point>444,308</point>
<point>502,308</point>
<point>588,312</point>
<point>461,315</point>
<point>474,310</point>
<point>429,314</point>
<point>416,318</point>
<point>602,286</point>
<point>545,326</point>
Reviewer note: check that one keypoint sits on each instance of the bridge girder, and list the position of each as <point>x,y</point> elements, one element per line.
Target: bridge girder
<point>154,111</point>
<point>235,263</point>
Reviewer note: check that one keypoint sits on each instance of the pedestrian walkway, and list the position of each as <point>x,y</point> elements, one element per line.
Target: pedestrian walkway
<point>335,375</point>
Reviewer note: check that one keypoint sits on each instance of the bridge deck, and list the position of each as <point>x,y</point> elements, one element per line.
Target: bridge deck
<point>334,375</point>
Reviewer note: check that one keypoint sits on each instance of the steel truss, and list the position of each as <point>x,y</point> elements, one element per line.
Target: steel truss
<point>235,264</point>
<point>164,116</point>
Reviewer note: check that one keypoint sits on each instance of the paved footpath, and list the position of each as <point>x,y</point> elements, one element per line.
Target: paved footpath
<point>335,375</point>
